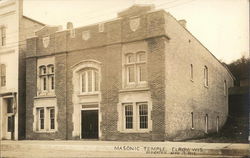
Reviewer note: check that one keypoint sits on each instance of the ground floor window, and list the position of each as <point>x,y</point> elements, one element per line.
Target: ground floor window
<point>45,118</point>
<point>135,116</point>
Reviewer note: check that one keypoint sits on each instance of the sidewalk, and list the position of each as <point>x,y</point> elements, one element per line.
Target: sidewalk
<point>85,148</point>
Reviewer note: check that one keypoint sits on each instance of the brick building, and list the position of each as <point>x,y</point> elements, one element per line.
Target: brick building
<point>141,76</point>
<point>14,29</point>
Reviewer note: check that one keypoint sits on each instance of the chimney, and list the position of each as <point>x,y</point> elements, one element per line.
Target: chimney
<point>183,22</point>
<point>70,25</point>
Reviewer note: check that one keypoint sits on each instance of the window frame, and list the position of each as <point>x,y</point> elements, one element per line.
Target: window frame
<point>3,36</point>
<point>49,124</point>
<point>225,88</point>
<point>94,74</point>
<point>136,64</point>
<point>191,72</point>
<point>46,119</point>
<point>206,123</point>
<point>46,80</point>
<point>192,120</point>
<point>205,76</point>
<point>2,75</point>
<point>39,119</point>
<point>136,117</point>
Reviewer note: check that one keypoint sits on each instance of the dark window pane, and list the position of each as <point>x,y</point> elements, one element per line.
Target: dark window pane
<point>9,105</point>
<point>129,116</point>
<point>142,72</point>
<point>52,124</point>
<point>96,81</point>
<point>131,74</point>
<point>52,82</point>
<point>89,81</point>
<point>41,123</point>
<point>44,83</point>
<point>143,114</point>
<point>10,124</point>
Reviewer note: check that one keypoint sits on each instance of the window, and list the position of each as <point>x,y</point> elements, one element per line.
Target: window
<point>51,77</point>
<point>206,123</point>
<point>89,80</point>
<point>41,118</point>
<point>191,72</point>
<point>45,119</point>
<point>10,123</point>
<point>101,27</point>
<point>206,76</point>
<point>3,75</point>
<point>225,88</point>
<point>135,116</point>
<point>217,124</point>
<point>9,102</point>
<point>129,116</point>
<point>143,115</point>
<point>192,120</point>
<point>52,118</point>
<point>3,36</point>
<point>135,68</point>
<point>47,78</point>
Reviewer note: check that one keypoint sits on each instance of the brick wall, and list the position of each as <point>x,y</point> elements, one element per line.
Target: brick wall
<point>184,96</point>
<point>170,50</point>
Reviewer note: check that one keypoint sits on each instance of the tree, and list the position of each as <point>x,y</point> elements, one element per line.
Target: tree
<point>240,69</point>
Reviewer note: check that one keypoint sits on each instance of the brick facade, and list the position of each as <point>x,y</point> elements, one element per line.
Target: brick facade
<point>168,86</point>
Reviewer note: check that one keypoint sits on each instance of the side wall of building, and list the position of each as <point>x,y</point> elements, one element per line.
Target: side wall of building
<point>186,95</point>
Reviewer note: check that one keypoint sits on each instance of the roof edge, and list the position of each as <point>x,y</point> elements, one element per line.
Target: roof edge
<point>28,18</point>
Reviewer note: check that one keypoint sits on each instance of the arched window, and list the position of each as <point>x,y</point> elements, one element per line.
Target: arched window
<point>89,80</point>
<point>47,78</point>
<point>225,88</point>
<point>191,72</point>
<point>192,120</point>
<point>3,75</point>
<point>217,124</point>
<point>51,77</point>
<point>206,123</point>
<point>43,77</point>
<point>206,76</point>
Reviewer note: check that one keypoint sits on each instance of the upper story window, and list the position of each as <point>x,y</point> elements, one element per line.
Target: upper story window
<point>89,80</point>
<point>135,68</point>
<point>191,72</point>
<point>206,76</point>
<point>225,88</point>
<point>2,75</point>
<point>46,79</point>
<point>2,36</point>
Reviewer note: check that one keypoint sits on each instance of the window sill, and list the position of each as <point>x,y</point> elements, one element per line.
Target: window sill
<point>44,96</point>
<point>133,89</point>
<point>45,131</point>
<point>135,131</point>
<point>88,94</point>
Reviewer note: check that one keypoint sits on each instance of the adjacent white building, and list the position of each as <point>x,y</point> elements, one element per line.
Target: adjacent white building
<point>14,29</point>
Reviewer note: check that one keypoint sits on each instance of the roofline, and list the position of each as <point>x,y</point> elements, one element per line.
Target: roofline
<point>34,20</point>
<point>201,45</point>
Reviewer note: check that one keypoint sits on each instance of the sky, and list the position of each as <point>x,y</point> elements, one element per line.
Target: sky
<point>222,26</point>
